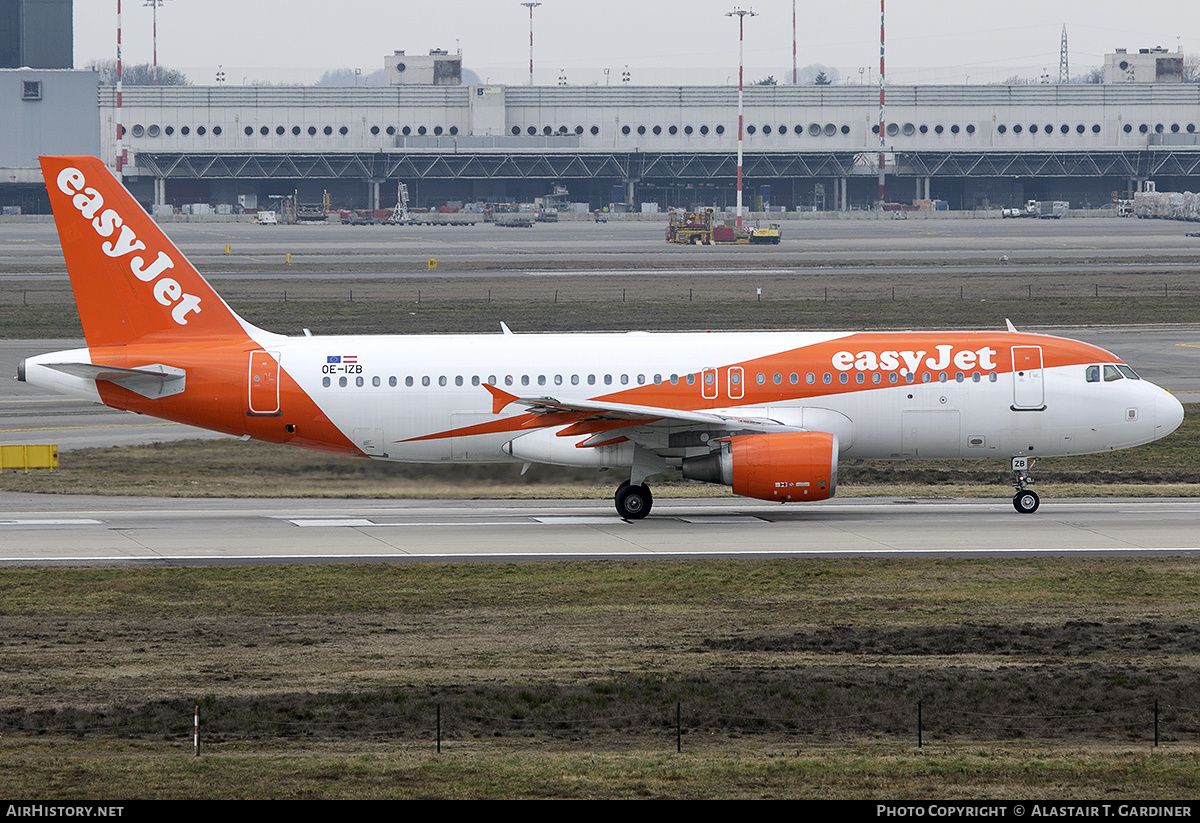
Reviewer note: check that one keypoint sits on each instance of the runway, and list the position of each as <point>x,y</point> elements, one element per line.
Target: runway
<point>87,531</point>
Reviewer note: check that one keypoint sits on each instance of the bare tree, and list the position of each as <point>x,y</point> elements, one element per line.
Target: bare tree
<point>1191,68</point>
<point>137,74</point>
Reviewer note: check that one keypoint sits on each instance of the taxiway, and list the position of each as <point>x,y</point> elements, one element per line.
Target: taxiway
<point>50,530</point>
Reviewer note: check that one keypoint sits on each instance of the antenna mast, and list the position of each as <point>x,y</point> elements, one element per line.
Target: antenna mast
<point>1064,73</point>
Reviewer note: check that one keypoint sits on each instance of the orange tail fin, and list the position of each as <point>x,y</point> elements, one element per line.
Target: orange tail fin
<point>129,280</point>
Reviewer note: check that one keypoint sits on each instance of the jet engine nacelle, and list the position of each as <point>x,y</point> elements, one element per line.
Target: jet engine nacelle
<point>786,467</point>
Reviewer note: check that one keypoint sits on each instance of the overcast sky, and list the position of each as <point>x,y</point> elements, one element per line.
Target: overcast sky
<point>665,42</point>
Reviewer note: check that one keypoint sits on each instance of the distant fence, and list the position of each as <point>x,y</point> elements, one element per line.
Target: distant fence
<point>916,722</point>
<point>806,287</point>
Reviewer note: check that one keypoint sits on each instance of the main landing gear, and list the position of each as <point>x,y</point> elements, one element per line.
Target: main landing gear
<point>1024,501</point>
<point>633,502</point>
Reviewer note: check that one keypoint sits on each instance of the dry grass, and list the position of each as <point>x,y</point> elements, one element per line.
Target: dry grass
<point>922,298</point>
<point>710,767</point>
<point>795,678</point>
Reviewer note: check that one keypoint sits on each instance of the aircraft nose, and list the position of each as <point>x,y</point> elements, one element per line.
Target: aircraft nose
<point>1168,413</point>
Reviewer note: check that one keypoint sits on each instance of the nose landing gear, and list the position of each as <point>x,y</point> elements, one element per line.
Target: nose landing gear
<point>1024,501</point>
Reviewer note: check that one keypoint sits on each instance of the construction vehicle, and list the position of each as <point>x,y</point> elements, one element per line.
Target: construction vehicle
<point>690,227</point>
<point>696,228</point>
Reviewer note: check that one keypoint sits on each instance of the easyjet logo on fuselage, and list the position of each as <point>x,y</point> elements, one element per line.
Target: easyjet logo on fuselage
<point>90,203</point>
<point>909,361</point>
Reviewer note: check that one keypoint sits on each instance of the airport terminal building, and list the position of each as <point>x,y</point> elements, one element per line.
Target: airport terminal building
<point>806,147</point>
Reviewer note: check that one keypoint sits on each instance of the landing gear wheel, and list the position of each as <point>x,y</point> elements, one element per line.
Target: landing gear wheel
<point>633,502</point>
<point>1026,502</point>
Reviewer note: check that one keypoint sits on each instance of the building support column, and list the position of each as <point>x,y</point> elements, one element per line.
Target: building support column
<point>845,198</point>
<point>373,194</point>
<point>927,179</point>
<point>160,192</point>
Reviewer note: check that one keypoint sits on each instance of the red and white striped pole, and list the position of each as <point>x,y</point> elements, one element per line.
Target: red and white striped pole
<point>120,153</point>
<point>882,135</point>
<point>531,7</point>
<point>741,15</point>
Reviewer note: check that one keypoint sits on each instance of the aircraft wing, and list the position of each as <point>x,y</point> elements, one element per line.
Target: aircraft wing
<point>633,415</point>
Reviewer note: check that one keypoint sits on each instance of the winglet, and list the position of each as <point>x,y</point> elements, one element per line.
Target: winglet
<point>504,328</point>
<point>500,398</point>
<point>1011,327</point>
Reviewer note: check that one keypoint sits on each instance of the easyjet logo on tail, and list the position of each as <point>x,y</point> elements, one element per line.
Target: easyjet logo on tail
<point>106,222</point>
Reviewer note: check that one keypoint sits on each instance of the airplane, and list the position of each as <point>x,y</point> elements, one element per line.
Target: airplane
<point>770,414</point>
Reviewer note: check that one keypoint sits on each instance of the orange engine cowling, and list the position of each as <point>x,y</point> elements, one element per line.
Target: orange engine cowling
<point>788,467</point>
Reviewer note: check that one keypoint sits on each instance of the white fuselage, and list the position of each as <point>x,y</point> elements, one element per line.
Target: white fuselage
<point>385,391</point>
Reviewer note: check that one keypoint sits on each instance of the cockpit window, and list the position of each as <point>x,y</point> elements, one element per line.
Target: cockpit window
<point>1128,372</point>
<point>1112,373</point>
<point>1093,374</point>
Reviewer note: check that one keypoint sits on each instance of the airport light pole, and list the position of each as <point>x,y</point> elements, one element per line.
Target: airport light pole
<point>154,4</point>
<point>531,7</point>
<point>741,15</point>
<point>793,42</point>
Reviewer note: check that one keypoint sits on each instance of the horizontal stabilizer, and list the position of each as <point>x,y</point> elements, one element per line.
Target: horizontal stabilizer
<point>153,381</point>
